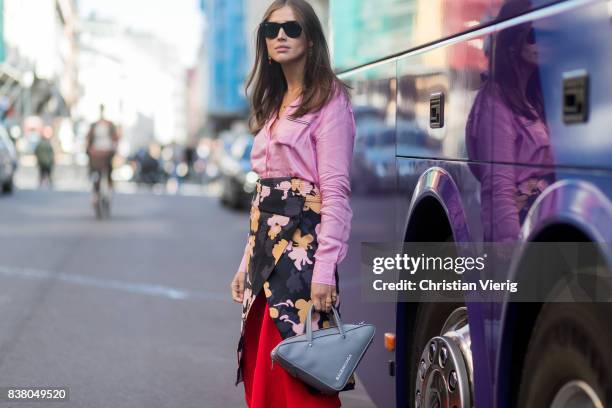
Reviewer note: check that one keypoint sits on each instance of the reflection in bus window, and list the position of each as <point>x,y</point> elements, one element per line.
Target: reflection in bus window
<point>507,124</point>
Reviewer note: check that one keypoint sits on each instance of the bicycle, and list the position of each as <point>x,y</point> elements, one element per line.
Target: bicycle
<point>102,193</point>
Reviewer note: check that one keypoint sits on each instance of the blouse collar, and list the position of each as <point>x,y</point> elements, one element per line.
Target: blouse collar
<point>287,111</point>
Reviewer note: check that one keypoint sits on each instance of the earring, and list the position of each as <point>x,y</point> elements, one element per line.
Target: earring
<point>269,60</point>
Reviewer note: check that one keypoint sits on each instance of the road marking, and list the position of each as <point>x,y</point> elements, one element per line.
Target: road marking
<point>138,288</point>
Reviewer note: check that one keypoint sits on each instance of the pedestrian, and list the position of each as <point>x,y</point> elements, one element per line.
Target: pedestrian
<point>101,145</point>
<point>304,131</point>
<point>45,157</point>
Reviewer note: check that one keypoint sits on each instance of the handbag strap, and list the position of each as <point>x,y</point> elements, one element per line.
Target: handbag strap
<point>309,324</point>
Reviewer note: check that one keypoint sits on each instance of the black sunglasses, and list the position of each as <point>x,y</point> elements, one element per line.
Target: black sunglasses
<point>270,30</point>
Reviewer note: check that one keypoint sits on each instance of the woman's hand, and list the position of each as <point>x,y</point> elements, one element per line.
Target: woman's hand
<point>238,287</point>
<point>323,296</point>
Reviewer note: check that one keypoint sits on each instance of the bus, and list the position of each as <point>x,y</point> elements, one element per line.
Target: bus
<point>479,121</point>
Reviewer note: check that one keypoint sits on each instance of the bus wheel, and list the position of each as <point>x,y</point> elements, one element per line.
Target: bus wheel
<point>444,372</point>
<point>569,358</point>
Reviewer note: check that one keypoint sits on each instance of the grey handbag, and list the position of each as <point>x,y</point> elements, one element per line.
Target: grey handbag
<point>326,358</point>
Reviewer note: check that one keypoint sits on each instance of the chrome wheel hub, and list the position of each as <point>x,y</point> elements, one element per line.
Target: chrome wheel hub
<point>444,377</point>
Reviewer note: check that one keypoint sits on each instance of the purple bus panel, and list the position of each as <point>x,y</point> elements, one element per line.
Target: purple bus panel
<point>499,134</point>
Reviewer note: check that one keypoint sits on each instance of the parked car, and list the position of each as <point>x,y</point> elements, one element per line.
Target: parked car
<point>237,178</point>
<point>8,161</point>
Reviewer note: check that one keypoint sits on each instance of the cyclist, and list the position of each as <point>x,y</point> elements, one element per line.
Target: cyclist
<point>102,141</point>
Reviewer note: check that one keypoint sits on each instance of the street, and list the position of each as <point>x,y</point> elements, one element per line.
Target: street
<point>128,312</point>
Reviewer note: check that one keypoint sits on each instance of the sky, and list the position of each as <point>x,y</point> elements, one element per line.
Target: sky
<point>178,22</point>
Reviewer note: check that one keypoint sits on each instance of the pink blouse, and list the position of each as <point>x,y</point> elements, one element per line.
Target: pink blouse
<point>495,133</point>
<point>316,147</point>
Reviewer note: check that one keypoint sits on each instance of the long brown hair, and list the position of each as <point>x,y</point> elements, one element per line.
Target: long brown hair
<point>528,102</point>
<point>268,81</point>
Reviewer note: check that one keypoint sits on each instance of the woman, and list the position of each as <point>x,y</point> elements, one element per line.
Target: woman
<point>507,124</point>
<point>300,214</point>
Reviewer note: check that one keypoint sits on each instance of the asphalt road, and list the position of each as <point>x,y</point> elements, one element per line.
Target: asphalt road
<point>129,312</point>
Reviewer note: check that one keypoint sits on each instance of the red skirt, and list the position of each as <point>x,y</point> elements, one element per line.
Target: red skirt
<point>266,386</point>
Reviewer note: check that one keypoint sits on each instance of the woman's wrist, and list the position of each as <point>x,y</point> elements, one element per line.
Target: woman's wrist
<point>324,272</point>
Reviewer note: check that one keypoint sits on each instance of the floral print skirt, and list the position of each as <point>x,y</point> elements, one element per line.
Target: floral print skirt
<point>529,190</point>
<point>284,223</point>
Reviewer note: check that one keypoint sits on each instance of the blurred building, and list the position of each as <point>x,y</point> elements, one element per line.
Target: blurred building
<point>194,100</point>
<point>223,63</point>
<point>140,80</point>
<point>39,52</point>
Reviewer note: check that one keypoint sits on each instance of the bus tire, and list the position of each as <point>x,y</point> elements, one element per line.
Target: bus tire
<point>571,344</point>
